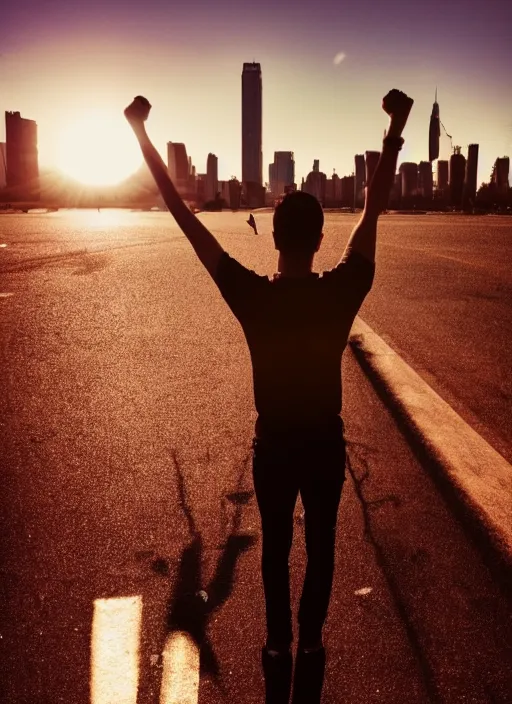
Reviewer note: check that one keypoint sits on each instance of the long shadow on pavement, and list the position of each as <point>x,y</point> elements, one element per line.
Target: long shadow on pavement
<point>190,607</point>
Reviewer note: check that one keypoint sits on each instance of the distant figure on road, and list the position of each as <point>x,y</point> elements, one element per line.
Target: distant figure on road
<point>297,325</point>
<point>252,223</point>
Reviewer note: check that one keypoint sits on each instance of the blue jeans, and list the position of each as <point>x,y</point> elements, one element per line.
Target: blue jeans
<point>311,463</point>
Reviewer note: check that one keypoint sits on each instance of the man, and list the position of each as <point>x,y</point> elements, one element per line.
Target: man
<point>296,325</point>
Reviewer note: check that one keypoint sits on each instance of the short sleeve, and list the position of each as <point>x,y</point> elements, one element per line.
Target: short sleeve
<point>240,287</point>
<point>353,279</point>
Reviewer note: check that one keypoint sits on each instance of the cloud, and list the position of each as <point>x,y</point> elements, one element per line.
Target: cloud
<point>339,58</point>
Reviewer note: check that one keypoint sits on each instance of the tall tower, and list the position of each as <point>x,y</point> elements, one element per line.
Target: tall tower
<point>470,182</point>
<point>251,124</point>
<point>212,179</point>
<point>457,176</point>
<point>360,175</point>
<point>3,165</point>
<point>434,132</point>
<point>22,165</point>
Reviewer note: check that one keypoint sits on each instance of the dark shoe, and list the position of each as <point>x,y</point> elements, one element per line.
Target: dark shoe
<point>277,670</point>
<point>309,676</point>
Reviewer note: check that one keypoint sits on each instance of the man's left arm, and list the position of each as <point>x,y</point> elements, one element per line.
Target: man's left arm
<point>204,243</point>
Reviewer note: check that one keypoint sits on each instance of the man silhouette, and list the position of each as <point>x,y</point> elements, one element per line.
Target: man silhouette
<point>296,325</point>
<point>252,222</point>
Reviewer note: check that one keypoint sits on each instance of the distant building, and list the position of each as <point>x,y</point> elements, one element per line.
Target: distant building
<point>470,180</point>
<point>282,173</point>
<point>409,173</point>
<point>360,177</point>
<point>442,176</point>
<point>201,189</point>
<point>434,132</point>
<point>333,191</point>
<point>396,190</point>
<point>223,189</point>
<point>252,156</point>
<point>500,174</point>
<point>177,162</point>
<point>235,193</point>
<point>3,165</point>
<point>425,180</point>
<point>347,191</point>
<point>315,182</point>
<point>181,170</point>
<point>212,180</point>
<point>22,160</point>
<point>457,177</point>
<point>371,160</point>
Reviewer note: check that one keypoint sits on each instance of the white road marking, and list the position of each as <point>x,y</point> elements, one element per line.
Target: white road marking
<point>115,650</point>
<point>363,591</point>
<point>481,476</point>
<point>6,295</point>
<point>180,676</point>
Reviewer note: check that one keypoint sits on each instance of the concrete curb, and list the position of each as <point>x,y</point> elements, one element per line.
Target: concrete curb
<point>480,476</point>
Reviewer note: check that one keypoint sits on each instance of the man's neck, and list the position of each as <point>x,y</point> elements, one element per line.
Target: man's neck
<point>294,268</point>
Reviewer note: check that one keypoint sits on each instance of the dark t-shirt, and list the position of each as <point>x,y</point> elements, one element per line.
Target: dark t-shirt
<point>296,329</point>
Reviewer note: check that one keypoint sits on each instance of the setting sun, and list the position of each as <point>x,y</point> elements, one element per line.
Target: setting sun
<point>98,149</point>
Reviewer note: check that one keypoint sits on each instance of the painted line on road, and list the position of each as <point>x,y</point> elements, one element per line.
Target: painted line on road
<point>116,634</point>
<point>435,253</point>
<point>115,650</point>
<point>180,675</point>
<point>481,476</point>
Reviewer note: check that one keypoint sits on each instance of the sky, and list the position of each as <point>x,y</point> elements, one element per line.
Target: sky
<point>326,64</point>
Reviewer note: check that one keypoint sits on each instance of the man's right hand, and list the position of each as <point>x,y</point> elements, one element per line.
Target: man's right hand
<point>398,106</point>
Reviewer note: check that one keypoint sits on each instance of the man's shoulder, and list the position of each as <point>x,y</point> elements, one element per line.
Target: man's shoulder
<point>229,266</point>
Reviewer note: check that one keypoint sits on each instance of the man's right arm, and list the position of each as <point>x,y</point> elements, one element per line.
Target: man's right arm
<point>364,235</point>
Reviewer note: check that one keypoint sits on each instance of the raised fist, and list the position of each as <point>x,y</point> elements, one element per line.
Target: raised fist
<point>397,105</point>
<point>138,110</point>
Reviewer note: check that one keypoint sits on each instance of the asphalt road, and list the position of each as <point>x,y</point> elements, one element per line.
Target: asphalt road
<point>127,417</point>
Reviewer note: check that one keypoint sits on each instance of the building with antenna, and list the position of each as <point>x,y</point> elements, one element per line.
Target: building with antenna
<point>434,132</point>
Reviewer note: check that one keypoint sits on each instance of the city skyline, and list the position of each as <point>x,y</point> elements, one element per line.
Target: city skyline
<point>325,71</point>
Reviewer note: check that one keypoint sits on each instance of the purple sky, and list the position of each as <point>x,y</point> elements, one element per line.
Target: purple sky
<point>59,58</point>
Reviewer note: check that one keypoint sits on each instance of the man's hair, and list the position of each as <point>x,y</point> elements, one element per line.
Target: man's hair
<point>298,223</point>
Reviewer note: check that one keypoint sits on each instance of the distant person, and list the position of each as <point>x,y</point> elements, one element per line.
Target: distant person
<point>297,325</point>
<point>252,223</point>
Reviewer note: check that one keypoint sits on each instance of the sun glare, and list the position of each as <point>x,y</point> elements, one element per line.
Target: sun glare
<point>99,150</point>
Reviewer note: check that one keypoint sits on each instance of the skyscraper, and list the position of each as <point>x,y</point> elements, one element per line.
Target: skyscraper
<point>470,182</point>
<point>3,165</point>
<point>177,161</point>
<point>360,176</point>
<point>252,159</point>
<point>426,181</point>
<point>442,176</point>
<point>409,172</point>
<point>500,173</point>
<point>434,132</point>
<point>282,173</point>
<point>212,180</point>
<point>22,171</point>
<point>457,176</point>
<point>315,182</point>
